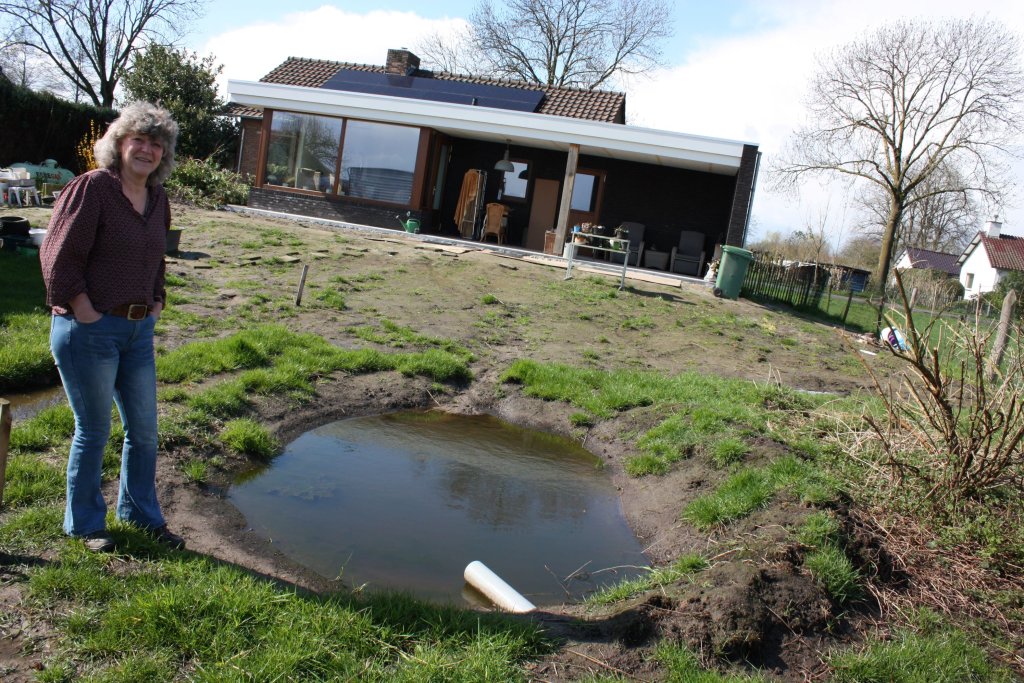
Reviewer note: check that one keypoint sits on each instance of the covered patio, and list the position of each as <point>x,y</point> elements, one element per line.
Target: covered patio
<point>377,159</point>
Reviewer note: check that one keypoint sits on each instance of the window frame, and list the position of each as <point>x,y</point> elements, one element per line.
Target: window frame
<point>419,166</point>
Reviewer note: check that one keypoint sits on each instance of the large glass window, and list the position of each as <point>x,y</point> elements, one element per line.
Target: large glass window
<point>379,161</point>
<point>584,192</point>
<point>516,181</point>
<point>303,151</point>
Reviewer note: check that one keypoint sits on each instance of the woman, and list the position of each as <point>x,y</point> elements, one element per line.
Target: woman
<point>103,265</point>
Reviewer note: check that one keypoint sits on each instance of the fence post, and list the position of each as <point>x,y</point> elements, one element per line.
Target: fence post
<point>999,346</point>
<point>846,311</point>
<point>5,442</point>
<point>302,284</point>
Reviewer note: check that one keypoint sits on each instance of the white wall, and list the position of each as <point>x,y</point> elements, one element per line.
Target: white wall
<point>985,276</point>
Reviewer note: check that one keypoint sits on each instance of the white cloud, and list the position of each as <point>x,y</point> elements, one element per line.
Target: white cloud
<point>250,52</point>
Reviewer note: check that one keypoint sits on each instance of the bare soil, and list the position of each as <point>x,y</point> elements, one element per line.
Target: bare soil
<point>757,605</point>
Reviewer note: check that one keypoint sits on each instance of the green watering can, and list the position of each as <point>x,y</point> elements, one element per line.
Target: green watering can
<point>411,225</point>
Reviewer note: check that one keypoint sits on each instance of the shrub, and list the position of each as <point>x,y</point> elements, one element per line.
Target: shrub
<point>955,426</point>
<point>203,183</point>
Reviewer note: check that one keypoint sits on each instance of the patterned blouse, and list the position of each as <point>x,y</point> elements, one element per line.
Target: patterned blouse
<point>99,244</point>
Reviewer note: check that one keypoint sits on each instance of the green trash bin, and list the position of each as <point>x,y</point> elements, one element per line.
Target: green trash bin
<point>731,271</point>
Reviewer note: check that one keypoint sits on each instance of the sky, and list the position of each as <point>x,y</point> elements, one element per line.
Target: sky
<point>735,69</point>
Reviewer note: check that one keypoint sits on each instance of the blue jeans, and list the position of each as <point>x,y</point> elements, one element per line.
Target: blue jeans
<point>109,361</point>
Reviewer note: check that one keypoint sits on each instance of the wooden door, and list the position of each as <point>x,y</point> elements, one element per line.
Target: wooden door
<point>543,212</point>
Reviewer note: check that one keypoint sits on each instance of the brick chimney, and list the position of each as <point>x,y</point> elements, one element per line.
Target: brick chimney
<point>992,228</point>
<point>401,63</point>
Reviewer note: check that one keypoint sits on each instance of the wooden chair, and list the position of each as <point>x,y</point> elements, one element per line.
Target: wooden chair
<point>496,223</point>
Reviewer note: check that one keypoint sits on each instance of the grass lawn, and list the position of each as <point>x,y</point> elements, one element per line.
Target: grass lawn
<point>733,431</point>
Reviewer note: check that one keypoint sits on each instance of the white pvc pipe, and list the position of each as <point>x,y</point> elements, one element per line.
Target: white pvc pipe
<point>497,591</point>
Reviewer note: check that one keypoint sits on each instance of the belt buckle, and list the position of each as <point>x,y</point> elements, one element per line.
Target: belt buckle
<point>137,311</point>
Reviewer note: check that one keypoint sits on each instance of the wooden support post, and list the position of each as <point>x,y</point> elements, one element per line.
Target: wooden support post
<point>846,311</point>
<point>5,442</point>
<point>302,284</point>
<point>566,205</point>
<point>1002,332</point>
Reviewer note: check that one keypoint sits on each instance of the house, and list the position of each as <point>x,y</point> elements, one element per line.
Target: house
<point>916,258</point>
<point>988,258</point>
<point>368,144</point>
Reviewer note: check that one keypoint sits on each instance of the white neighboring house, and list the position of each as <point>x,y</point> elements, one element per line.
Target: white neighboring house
<point>988,258</point>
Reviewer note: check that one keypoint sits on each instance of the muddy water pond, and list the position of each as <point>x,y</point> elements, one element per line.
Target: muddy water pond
<point>25,405</point>
<point>406,500</point>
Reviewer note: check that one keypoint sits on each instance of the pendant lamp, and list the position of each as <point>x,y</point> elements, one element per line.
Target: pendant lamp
<point>505,165</point>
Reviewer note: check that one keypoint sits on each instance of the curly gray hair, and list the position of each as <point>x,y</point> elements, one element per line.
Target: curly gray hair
<point>147,119</point>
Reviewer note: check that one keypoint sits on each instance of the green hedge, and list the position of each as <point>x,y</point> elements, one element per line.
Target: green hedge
<point>38,126</point>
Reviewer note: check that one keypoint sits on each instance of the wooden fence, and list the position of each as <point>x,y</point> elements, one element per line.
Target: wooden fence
<point>798,285</point>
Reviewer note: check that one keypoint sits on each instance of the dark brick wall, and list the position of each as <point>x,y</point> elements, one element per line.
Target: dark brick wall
<point>741,197</point>
<point>333,209</point>
<point>666,200</point>
<point>401,62</point>
<point>248,155</point>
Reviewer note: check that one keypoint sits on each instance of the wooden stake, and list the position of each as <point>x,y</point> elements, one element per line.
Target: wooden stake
<point>999,345</point>
<point>5,441</point>
<point>849,300</point>
<point>302,284</point>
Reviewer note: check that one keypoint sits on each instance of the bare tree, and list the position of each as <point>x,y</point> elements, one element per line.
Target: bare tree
<point>452,52</point>
<point>895,106</point>
<point>579,43</point>
<point>860,251</point>
<point>942,221</point>
<point>772,242</point>
<point>90,42</point>
<point>22,66</point>
<point>812,242</point>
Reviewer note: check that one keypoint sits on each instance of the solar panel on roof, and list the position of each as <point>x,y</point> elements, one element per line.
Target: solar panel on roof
<point>436,90</point>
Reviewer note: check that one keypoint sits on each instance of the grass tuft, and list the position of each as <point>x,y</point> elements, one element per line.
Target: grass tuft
<point>684,667</point>
<point>195,470</point>
<point>728,451</point>
<point>249,438</point>
<point>753,487</point>
<point>943,657</point>
<point>50,427</point>
<point>685,566</point>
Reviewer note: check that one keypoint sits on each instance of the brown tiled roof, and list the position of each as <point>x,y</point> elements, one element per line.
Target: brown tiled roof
<point>934,260</point>
<point>593,105</point>
<point>1005,252</point>
<point>232,109</point>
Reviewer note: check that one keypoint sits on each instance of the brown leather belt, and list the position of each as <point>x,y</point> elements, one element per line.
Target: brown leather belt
<point>130,311</point>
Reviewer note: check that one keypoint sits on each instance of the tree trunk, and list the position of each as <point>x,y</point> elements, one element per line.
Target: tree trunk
<point>885,257</point>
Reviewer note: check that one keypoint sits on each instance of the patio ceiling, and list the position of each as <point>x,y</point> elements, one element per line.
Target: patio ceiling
<point>609,140</point>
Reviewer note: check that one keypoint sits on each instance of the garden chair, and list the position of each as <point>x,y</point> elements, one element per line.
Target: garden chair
<point>688,256</point>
